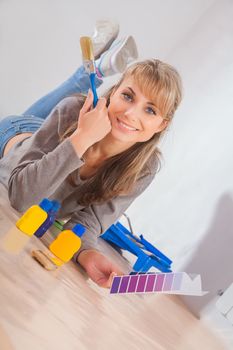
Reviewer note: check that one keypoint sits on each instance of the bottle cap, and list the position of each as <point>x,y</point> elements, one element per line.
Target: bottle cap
<point>56,206</point>
<point>79,230</point>
<point>46,204</point>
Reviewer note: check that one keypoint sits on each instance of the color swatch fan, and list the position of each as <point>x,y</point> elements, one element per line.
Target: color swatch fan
<point>169,283</point>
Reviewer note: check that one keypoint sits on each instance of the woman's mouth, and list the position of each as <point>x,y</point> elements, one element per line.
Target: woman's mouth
<point>124,127</point>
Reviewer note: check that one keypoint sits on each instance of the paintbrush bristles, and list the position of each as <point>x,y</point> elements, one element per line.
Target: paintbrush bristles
<point>88,54</point>
<point>87,48</point>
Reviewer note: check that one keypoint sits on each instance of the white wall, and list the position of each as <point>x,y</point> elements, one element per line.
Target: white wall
<point>187,211</point>
<point>39,39</point>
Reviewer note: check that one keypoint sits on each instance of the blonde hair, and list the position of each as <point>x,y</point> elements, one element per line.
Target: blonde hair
<point>118,175</point>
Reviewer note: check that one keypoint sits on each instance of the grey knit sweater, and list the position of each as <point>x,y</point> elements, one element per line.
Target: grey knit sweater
<point>38,166</point>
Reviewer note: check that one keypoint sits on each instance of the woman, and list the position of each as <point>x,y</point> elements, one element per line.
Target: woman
<point>95,161</point>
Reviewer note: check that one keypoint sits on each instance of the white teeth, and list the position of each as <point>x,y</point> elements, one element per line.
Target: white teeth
<point>127,127</point>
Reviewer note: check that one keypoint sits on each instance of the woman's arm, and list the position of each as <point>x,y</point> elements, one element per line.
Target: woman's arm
<point>42,163</point>
<point>97,219</point>
<point>45,162</point>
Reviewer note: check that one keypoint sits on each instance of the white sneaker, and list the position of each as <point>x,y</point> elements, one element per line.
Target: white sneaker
<point>105,33</point>
<point>115,60</point>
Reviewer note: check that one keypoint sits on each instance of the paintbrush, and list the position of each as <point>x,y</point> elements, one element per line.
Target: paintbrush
<point>89,63</point>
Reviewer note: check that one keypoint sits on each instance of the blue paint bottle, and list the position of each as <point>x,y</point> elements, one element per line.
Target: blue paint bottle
<point>49,221</point>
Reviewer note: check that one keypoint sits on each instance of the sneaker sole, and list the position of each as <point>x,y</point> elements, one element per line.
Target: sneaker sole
<point>113,35</point>
<point>118,61</point>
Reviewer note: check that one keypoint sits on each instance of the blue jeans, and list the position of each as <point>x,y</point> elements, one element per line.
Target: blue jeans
<point>33,117</point>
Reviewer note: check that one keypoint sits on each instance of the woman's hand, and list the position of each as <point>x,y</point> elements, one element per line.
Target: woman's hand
<point>93,124</point>
<point>98,267</point>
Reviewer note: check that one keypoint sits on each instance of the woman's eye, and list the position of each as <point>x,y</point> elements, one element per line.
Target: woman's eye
<point>150,110</point>
<point>126,96</point>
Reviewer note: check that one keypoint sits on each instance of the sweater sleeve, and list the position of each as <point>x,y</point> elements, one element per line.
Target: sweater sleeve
<point>97,218</point>
<point>45,162</point>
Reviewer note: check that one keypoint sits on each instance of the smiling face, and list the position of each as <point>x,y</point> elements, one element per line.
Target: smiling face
<point>133,116</point>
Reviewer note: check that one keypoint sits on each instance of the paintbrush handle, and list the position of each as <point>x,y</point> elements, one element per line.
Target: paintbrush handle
<point>93,88</point>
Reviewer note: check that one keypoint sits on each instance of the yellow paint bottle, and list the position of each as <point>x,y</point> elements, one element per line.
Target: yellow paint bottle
<point>34,217</point>
<point>67,243</point>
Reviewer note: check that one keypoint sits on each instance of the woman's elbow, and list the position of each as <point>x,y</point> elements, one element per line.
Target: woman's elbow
<point>17,199</point>
<point>17,204</point>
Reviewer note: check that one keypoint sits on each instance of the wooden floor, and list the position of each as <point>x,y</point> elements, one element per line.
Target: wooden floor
<point>63,310</point>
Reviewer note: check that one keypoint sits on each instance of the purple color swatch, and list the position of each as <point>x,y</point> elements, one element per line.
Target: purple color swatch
<point>124,284</point>
<point>133,283</point>
<point>150,283</point>
<point>159,282</point>
<point>167,286</point>
<point>115,284</point>
<point>141,283</point>
<point>177,281</point>
<point>155,282</point>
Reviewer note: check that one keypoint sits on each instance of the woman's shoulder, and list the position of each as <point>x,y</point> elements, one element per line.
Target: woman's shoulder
<point>154,163</point>
<point>148,173</point>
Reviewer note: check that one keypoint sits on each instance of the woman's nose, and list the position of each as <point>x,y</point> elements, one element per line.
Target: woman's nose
<point>132,113</point>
